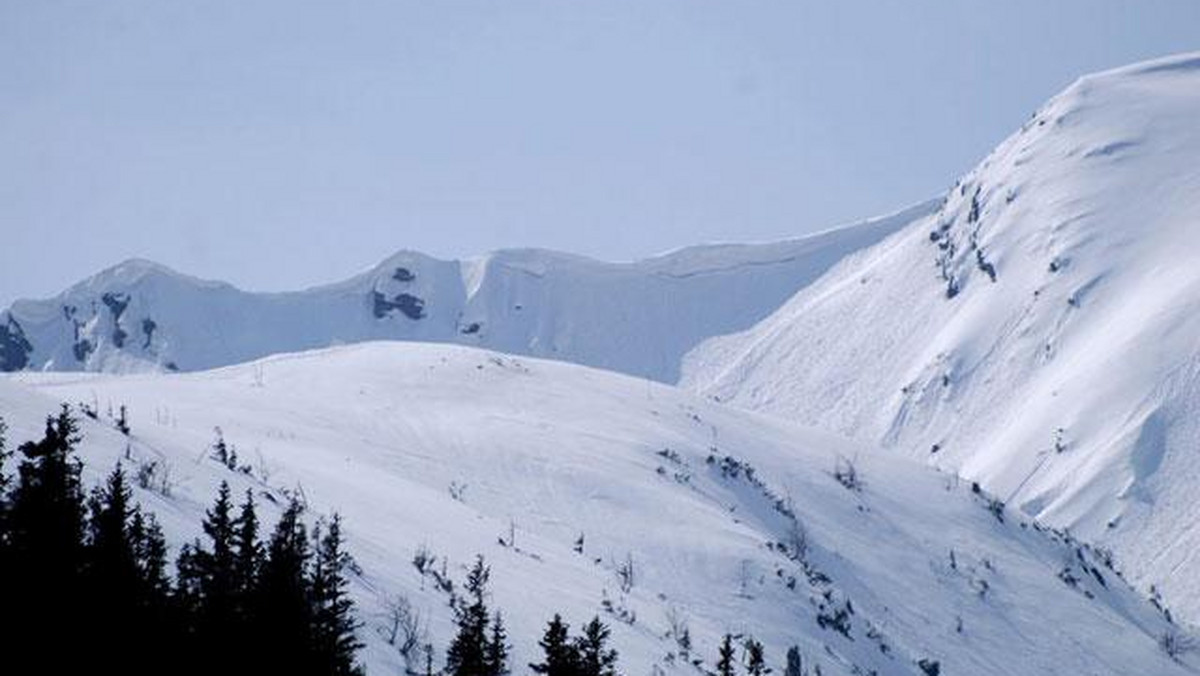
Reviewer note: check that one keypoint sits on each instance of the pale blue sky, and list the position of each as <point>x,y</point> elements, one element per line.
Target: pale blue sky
<point>281,144</point>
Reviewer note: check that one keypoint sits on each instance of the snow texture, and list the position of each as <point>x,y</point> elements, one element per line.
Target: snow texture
<point>456,449</point>
<point>1039,333</point>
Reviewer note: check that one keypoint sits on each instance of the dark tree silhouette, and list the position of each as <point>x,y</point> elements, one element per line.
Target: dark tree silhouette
<point>594,656</point>
<point>496,651</point>
<point>756,665</point>
<point>334,641</point>
<point>284,594</point>
<point>725,663</point>
<point>467,654</point>
<point>560,658</point>
<point>44,546</point>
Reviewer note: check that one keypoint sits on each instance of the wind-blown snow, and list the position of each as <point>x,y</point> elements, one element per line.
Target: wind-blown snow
<point>381,431</point>
<point>637,318</point>
<point>1039,333</point>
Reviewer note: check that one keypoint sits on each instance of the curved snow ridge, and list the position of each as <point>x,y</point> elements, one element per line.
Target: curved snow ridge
<point>1025,333</point>
<point>637,318</point>
<point>558,473</point>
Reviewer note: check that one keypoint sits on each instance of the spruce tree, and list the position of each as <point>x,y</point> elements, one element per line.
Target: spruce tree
<point>595,658</point>
<point>725,665</point>
<point>467,654</point>
<point>112,576</point>
<point>284,595</point>
<point>496,657</point>
<point>559,655</point>
<point>218,562</point>
<point>150,557</point>
<point>795,664</point>
<point>247,550</point>
<point>111,549</point>
<point>215,609</point>
<point>334,626</point>
<point>45,545</point>
<point>126,577</point>
<point>247,563</point>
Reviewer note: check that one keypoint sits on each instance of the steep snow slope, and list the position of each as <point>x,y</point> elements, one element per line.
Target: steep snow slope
<point>1039,333</point>
<point>638,318</point>
<point>449,447</point>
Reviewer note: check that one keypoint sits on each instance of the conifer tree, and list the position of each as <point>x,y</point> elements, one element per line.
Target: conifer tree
<point>150,557</point>
<point>725,665</point>
<point>560,658</point>
<point>283,596</point>
<point>218,563</point>
<point>247,559</point>
<point>496,657</point>
<point>45,543</point>
<point>112,575</point>
<point>245,565</point>
<point>215,610</point>
<point>795,665</point>
<point>467,654</point>
<point>126,577</point>
<point>594,656</point>
<point>334,640</point>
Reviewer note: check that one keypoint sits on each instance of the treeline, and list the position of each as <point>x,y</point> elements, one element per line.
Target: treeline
<point>480,646</point>
<point>85,585</point>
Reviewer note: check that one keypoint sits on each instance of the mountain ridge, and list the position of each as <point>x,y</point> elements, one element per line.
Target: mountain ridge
<point>638,317</point>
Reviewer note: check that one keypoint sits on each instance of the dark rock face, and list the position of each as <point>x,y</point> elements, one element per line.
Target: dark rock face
<point>116,304</point>
<point>148,327</point>
<point>403,275</point>
<point>470,329</point>
<point>82,348</point>
<point>14,346</point>
<point>410,305</point>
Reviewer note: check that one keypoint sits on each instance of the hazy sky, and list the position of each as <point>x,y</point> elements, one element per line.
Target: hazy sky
<point>287,143</point>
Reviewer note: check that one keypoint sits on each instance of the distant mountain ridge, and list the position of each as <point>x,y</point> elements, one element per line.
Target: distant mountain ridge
<point>638,318</point>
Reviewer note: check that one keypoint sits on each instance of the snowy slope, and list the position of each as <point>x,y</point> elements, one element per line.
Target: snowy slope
<point>386,432</point>
<point>1039,333</point>
<point>638,318</point>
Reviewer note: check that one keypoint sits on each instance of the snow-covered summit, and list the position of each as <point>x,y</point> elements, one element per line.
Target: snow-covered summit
<point>1040,332</point>
<point>638,318</point>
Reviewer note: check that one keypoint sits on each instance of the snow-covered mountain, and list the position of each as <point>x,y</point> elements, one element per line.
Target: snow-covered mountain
<point>561,474</point>
<point>637,318</point>
<point>1039,333</point>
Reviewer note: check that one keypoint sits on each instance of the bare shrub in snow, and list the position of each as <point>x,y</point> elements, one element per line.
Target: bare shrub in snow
<point>796,540</point>
<point>846,473</point>
<point>405,629</point>
<point>155,475</point>
<point>625,574</point>
<point>423,560</point>
<point>678,631</point>
<point>1175,643</point>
